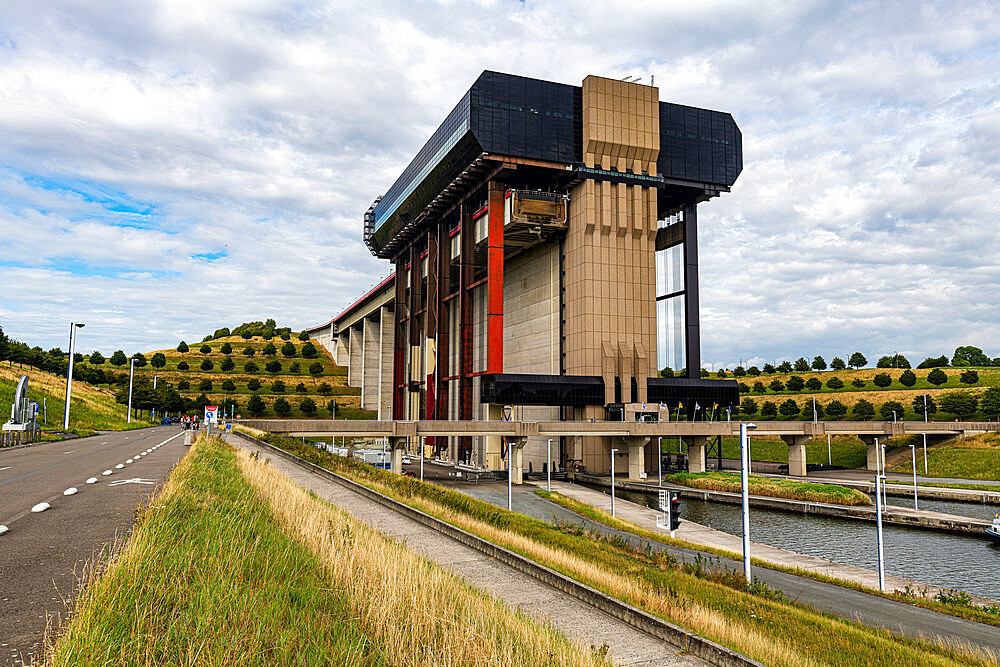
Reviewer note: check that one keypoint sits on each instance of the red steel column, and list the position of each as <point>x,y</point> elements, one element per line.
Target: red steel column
<point>399,378</point>
<point>466,265</point>
<point>494,273</point>
<point>430,326</point>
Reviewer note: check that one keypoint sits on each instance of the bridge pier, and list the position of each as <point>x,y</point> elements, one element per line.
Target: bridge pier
<point>697,446</point>
<point>873,454</point>
<point>515,448</point>
<point>636,446</point>
<point>398,447</point>
<point>797,454</point>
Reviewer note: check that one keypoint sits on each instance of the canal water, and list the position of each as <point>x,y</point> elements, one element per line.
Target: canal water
<point>962,562</point>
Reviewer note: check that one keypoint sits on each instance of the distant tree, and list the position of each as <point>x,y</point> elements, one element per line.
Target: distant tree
<point>247,335</point>
<point>863,409</point>
<point>250,367</point>
<point>229,385</point>
<point>77,358</point>
<point>205,349</point>
<point>667,372</point>
<point>182,366</point>
<point>754,371</point>
<point>857,360</point>
<point>838,364</point>
<point>273,366</point>
<point>962,404</point>
<point>748,407</point>
<point>743,387</point>
<point>256,406</point>
<point>776,385</point>
<point>907,378</point>
<point>835,409</point>
<point>882,380</point>
<point>785,367</point>
<point>308,406</point>
<point>857,382</point>
<point>937,377</point>
<point>739,371</point>
<point>969,377</point>
<point>934,362</point>
<point>201,402</point>
<point>801,365</point>
<point>269,350</point>
<point>309,351</point>
<point>795,383</point>
<point>205,385</point>
<point>759,388</point>
<point>96,358</point>
<point>331,407</point>
<point>303,336</point>
<point>324,389</point>
<point>315,369</point>
<point>789,409</point>
<point>887,408</point>
<point>989,403</point>
<point>918,404</point>
<point>56,353</point>
<point>267,335</point>
<point>282,408</point>
<point>226,348</point>
<point>704,372</point>
<point>206,338</point>
<point>253,384</point>
<point>288,350</point>
<point>769,409</point>
<point>768,369</point>
<point>294,367</point>
<point>221,333</point>
<point>814,384</point>
<point>182,347</point>
<point>819,363</point>
<point>158,360</point>
<point>207,365</point>
<point>270,324</point>
<point>995,362</point>
<point>285,335</point>
<point>140,359</point>
<point>248,351</point>
<point>227,364</point>
<point>183,385</point>
<point>967,355</point>
<point>301,388</point>
<point>720,373</point>
<point>277,387</point>
<point>893,361</point>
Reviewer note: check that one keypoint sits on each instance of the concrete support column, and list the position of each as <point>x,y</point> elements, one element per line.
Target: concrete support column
<point>797,453</point>
<point>386,323</point>
<point>516,449</point>
<point>371,357</point>
<point>873,453</point>
<point>697,447</point>
<point>636,457</point>
<point>398,447</point>
<point>356,356</point>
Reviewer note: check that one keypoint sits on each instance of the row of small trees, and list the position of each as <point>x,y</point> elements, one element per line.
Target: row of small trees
<point>274,366</point>
<point>961,404</point>
<point>288,350</point>
<point>276,387</point>
<point>907,378</point>
<point>256,406</point>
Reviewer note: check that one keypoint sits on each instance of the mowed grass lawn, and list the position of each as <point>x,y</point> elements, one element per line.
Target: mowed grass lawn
<point>977,457</point>
<point>848,451</point>
<point>231,564</point>
<point>770,487</point>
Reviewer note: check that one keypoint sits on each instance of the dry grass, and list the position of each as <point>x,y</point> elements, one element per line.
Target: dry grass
<point>422,614</point>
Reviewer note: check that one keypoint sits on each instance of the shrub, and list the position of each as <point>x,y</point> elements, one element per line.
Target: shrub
<point>959,403</point>
<point>256,406</point>
<point>768,369</point>
<point>937,377</point>
<point>969,377</point>
<point>309,351</point>
<point>303,336</point>
<point>813,384</point>
<point>282,408</point>
<point>748,407</point>
<point>247,335</point>
<point>226,348</point>
<point>934,362</point>
<point>836,409</point>
<point>158,360</point>
<point>744,388</point>
<point>819,363</point>
<point>182,347</point>
<point>739,371</point>
<point>285,335</point>
<point>308,406</point>
<point>769,409</point>
<point>907,378</point>
<point>277,387</point>
<point>785,367</point>
<point>248,351</point>
<point>118,358</point>
<point>863,409</point>
<point>857,382</point>
<point>183,366</point>
<point>207,365</point>
<point>300,388</point>
<point>220,333</point>
<point>882,380</point>
<point>720,373</point>
<point>838,364</point>
<point>759,388</point>
<point>183,385</point>
<point>315,369</point>
<point>801,365</point>
<point>288,350</point>
<point>795,383</point>
<point>918,404</point>
<point>96,358</point>
<point>887,408</point>
<point>205,385</point>
<point>140,359</point>
<point>667,372</point>
<point>835,383</point>
<point>989,402</point>
<point>754,371</point>
<point>229,385</point>
<point>205,349</point>
<point>789,409</point>
<point>273,366</point>
<point>250,367</point>
<point>253,384</point>
<point>325,389</point>
<point>269,350</point>
<point>294,367</point>
<point>227,364</point>
<point>776,385</point>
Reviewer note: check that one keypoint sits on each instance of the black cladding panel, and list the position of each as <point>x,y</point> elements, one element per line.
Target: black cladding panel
<point>699,145</point>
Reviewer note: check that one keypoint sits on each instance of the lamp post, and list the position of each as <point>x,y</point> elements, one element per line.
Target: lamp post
<point>913,452</point>
<point>508,412</point>
<point>925,453</point>
<point>613,452</point>
<point>73,326</point>
<point>152,414</point>
<point>878,525</point>
<point>131,367</point>
<point>745,491</point>
<point>548,467</point>
<point>829,451</point>
<point>422,445</point>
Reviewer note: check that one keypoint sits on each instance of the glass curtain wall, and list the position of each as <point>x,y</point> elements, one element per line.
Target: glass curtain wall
<point>670,303</point>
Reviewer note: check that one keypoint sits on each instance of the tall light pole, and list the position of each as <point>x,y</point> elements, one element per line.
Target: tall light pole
<point>153,411</point>
<point>613,452</point>
<point>745,491</point>
<point>73,326</point>
<point>913,452</point>
<point>878,523</point>
<point>131,367</point>
<point>548,468</point>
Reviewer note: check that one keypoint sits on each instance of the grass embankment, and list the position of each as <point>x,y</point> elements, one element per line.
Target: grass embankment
<point>222,570</point>
<point>847,451</point>
<point>759,622</point>
<point>958,462</point>
<point>954,603</point>
<point>771,487</point>
<point>93,409</point>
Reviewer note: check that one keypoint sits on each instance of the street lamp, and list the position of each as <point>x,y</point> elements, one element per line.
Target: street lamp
<point>613,452</point>
<point>73,326</point>
<point>548,468</point>
<point>131,368</point>
<point>745,490</point>
<point>913,453</point>
<point>878,519</point>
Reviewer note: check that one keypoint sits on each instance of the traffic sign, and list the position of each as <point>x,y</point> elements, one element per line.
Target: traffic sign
<point>212,414</point>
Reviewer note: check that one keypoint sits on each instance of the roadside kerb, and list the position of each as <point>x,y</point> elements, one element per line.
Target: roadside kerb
<point>693,644</point>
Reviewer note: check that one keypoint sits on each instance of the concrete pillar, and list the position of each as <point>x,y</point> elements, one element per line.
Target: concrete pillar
<point>697,447</point>
<point>636,457</point>
<point>516,449</point>
<point>386,325</point>
<point>873,453</point>
<point>355,356</point>
<point>491,457</point>
<point>342,346</point>
<point>370,365</point>
<point>797,454</point>
<point>398,447</point>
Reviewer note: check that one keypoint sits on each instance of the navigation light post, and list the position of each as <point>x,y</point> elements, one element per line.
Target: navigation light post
<point>73,326</point>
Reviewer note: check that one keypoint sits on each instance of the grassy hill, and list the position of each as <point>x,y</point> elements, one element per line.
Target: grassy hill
<point>93,409</point>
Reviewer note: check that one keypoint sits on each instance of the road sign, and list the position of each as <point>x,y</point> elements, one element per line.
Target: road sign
<point>212,413</point>
<point>229,427</point>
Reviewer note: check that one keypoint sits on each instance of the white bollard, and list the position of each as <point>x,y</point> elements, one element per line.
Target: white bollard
<point>3,529</point>
<point>91,480</point>
<point>106,473</point>
<point>71,491</point>
<point>40,507</point>
<point>119,466</point>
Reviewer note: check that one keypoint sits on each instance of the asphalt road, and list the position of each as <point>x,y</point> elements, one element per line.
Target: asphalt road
<point>43,554</point>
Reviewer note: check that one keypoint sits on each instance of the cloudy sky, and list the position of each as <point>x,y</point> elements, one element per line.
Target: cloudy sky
<point>167,168</point>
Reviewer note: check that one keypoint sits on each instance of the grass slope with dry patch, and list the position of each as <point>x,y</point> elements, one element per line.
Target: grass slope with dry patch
<point>771,487</point>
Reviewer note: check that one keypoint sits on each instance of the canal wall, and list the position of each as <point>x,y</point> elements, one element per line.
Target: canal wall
<point>915,519</point>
